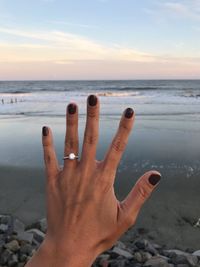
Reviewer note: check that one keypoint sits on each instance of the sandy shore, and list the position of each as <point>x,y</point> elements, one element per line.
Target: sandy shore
<point>168,217</point>
<point>22,193</point>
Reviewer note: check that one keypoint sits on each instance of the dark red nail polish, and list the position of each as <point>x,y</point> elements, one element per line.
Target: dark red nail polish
<point>45,131</point>
<point>71,108</point>
<point>154,179</point>
<point>92,100</point>
<point>129,113</point>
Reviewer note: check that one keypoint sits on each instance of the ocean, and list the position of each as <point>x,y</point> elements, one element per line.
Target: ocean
<point>165,137</point>
<point>147,97</point>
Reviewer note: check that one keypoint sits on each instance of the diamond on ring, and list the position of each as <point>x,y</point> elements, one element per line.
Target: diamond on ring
<point>71,156</point>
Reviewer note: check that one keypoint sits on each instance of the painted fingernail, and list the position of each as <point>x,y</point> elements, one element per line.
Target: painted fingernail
<point>129,113</point>
<point>45,131</point>
<point>154,179</point>
<point>71,108</point>
<point>92,100</point>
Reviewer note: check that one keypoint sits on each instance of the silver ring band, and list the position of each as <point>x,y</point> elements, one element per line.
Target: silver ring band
<point>71,156</point>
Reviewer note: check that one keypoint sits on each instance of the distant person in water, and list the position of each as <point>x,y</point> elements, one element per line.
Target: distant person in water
<point>83,214</point>
<point>2,101</point>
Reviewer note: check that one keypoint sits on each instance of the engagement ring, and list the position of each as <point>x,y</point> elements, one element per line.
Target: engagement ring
<point>71,156</point>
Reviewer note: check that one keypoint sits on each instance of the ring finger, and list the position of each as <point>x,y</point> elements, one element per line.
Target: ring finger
<point>71,138</point>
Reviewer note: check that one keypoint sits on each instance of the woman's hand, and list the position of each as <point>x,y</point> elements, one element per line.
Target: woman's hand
<point>83,214</point>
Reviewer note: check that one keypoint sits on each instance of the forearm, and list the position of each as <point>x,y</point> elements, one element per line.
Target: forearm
<point>47,256</point>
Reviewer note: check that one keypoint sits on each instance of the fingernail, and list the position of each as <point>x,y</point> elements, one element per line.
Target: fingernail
<point>45,131</point>
<point>129,113</point>
<point>154,179</point>
<point>92,100</point>
<point>71,108</point>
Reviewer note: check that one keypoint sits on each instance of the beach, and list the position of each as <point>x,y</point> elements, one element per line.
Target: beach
<point>165,137</point>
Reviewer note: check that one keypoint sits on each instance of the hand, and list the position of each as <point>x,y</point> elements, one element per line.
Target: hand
<point>83,214</point>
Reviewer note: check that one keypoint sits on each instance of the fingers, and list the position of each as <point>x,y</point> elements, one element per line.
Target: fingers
<point>132,204</point>
<point>91,130</point>
<point>50,159</point>
<point>117,147</point>
<point>71,138</point>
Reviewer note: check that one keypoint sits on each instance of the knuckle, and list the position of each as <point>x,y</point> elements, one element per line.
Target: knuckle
<point>90,139</point>
<point>118,145</point>
<point>92,112</point>
<point>125,127</point>
<point>71,143</point>
<point>47,143</point>
<point>48,158</point>
<point>143,191</point>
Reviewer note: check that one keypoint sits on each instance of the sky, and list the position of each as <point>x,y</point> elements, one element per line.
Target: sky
<point>99,39</point>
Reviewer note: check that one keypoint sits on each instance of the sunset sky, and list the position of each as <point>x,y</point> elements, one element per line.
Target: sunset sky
<point>99,39</point>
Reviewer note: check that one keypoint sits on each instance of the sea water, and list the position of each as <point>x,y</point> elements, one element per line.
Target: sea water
<point>147,97</point>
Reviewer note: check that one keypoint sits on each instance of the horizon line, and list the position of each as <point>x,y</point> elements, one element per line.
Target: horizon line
<point>88,80</point>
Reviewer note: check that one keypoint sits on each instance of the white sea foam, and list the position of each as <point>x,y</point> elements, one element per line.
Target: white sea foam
<point>118,94</point>
<point>146,97</point>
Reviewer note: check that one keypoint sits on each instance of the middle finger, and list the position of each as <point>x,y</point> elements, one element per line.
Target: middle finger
<point>91,130</point>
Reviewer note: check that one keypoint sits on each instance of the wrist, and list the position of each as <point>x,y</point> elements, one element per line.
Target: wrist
<point>49,255</point>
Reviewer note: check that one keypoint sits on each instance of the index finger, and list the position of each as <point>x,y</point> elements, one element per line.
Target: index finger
<point>120,140</point>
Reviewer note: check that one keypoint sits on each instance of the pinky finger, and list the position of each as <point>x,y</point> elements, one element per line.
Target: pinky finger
<point>50,159</point>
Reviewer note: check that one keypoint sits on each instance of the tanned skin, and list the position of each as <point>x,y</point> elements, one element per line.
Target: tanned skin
<point>84,216</point>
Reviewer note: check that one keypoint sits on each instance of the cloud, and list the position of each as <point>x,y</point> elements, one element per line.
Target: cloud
<point>61,46</point>
<point>58,54</point>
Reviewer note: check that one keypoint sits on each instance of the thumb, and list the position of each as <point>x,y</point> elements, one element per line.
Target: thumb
<point>134,201</point>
